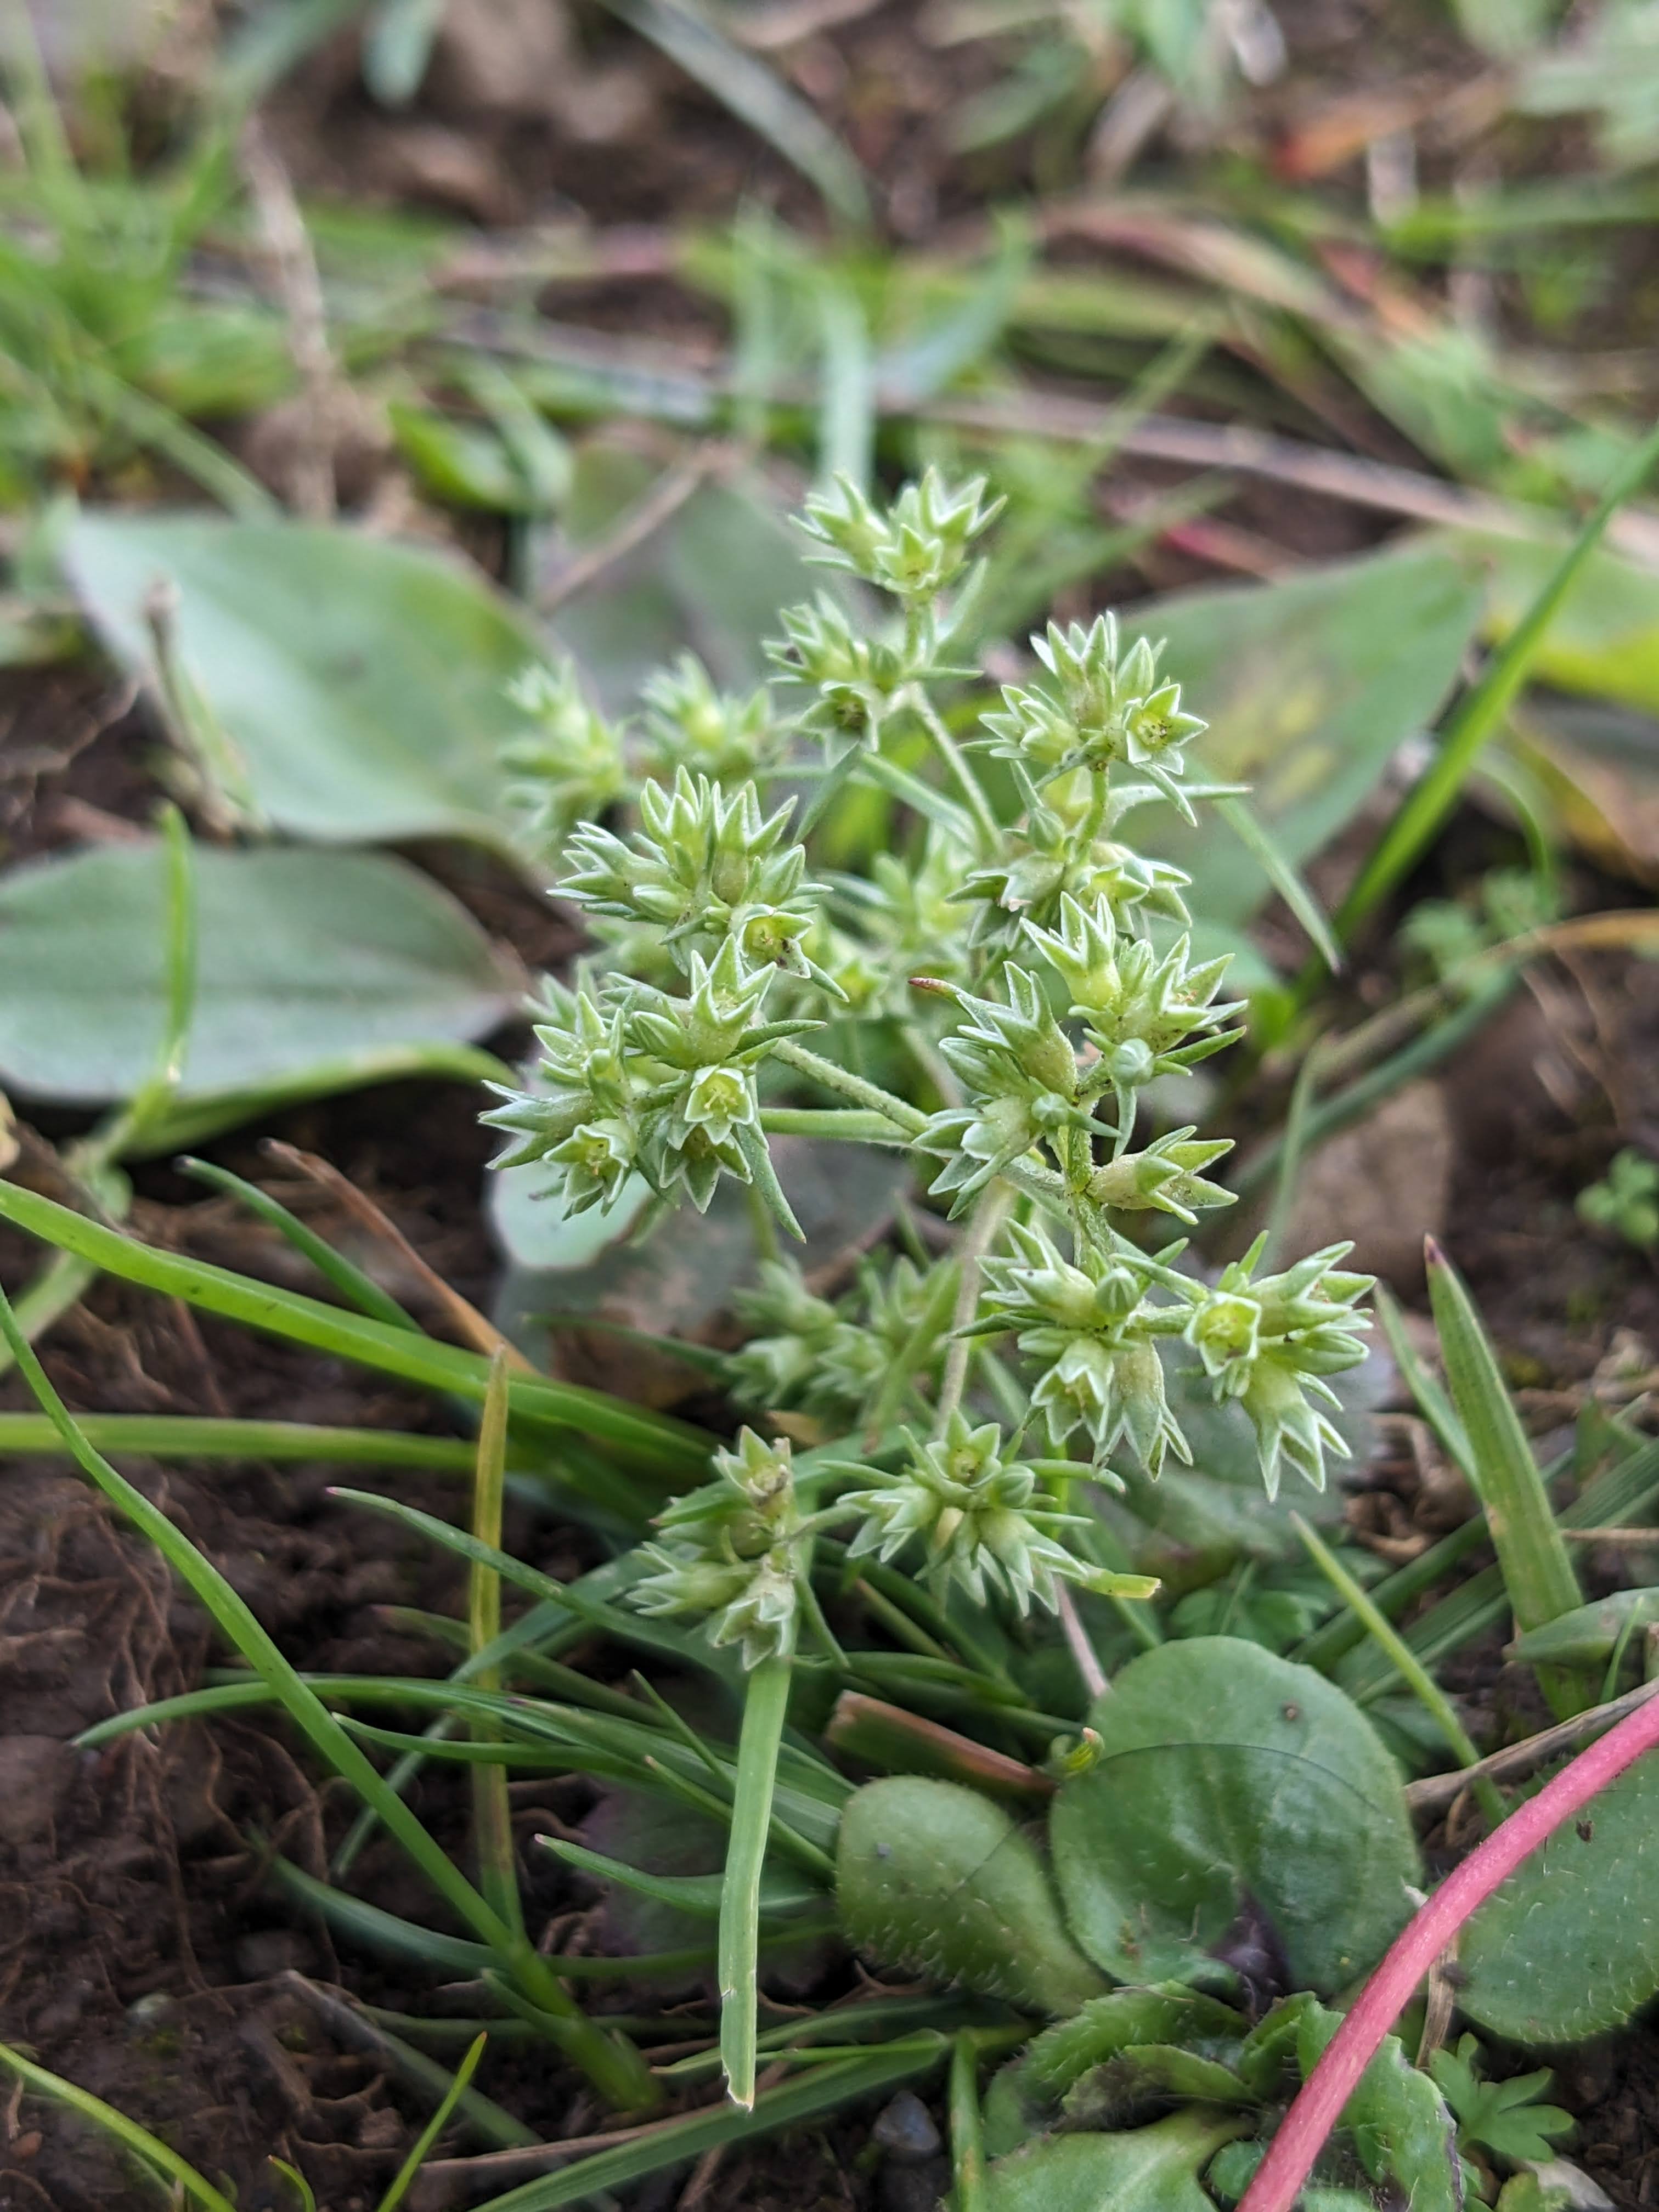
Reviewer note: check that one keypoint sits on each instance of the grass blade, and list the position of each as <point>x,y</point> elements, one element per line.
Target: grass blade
<point>1430,1695</point>
<point>492,1818</point>
<point>606,2062</point>
<point>967,2135</point>
<point>689,2137</point>
<point>764,1713</point>
<point>143,2146</point>
<point>1482,710</point>
<point>356,1288</point>
<point>670,1446</point>
<point>193,1436</point>
<point>434,2127</point>
<point>1538,1573</point>
<point>755,96</point>
<point>1285,878</point>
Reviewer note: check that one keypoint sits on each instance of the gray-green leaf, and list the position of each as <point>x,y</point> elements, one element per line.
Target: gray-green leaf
<point>1308,695</point>
<point>361,685</point>
<point>348,966</point>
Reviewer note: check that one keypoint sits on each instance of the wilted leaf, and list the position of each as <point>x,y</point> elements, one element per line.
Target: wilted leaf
<point>1024,2097</point>
<point>1569,1947</point>
<point>1152,2169</point>
<point>933,1879</point>
<point>1228,1776</point>
<point>1308,693</point>
<point>336,962</point>
<point>361,685</point>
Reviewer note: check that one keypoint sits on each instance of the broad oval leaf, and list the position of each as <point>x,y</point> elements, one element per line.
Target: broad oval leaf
<point>305,962</point>
<point>1229,1775</point>
<point>1569,1947</point>
<point>933,1879</point>
<point>360,685</point>
<point>1308,692</point>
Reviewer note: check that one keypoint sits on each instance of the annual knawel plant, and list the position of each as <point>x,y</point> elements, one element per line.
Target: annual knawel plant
<point>1186,1861</point>
<point>1028,988</point>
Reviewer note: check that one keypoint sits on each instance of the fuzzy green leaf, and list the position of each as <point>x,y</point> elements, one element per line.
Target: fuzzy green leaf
<point>933,1879</point>
<point>1152,2169</point>
<point>1569,1947</point>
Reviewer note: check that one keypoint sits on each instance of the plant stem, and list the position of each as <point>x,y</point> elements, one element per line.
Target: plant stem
<point>850,1125</point>
<point>954,758</point>
<point>994,1210</point>
<point>967,2136</point>
<point>765,1704</point>
<point>870,1096</point>
<point>1319,2106</point>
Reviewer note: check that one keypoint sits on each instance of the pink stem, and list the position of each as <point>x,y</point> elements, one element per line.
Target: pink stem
<point>1301,2138</point>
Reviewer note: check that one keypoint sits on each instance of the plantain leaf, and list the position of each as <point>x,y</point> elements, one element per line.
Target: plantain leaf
<point>360,686</point>
<point>1230,1778</point>
<point>933,1879</point>
<point>340,967</point>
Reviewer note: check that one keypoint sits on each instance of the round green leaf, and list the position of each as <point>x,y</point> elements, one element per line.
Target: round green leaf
<point>361,685</point>
<point>1569,1947</point>
<point>933,1879</point>
<point>306,961</point>
<point>1227,1773</point>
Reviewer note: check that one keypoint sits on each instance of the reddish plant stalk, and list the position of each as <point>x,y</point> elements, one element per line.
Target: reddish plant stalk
<point>1301,2136</point>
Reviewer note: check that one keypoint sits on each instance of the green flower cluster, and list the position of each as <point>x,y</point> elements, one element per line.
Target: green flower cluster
<point>1001,978</point>
<point>1270,1345</point>
<point>703,869</point>
<point>1104,709</point>
<point>731,1553</point>
<point>634,1080</point>
<point>978,1517</point>
<point>834,1360</point>
<point>571,765</point>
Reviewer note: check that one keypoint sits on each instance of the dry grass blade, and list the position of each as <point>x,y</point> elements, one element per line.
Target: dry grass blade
<point>469,1324</point>
<point>1435,1791</point>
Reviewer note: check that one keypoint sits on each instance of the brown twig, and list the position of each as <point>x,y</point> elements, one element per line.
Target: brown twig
<point>464,1316</point>
<point>1437,1791</point>
<point>311,481</point>
<point>664,499</point>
